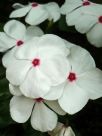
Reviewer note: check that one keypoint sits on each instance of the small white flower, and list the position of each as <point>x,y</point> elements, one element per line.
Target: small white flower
<point>62,130</point>
<point>71,5</point>
<point>42,117</point>
<point>91,23</point>
<point>41,63</point>
<point>83,83</point>
<point>37,13</point>
<point>15,35</point>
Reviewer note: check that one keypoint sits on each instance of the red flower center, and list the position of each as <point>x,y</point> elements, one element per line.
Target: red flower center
<point>34,4</point>
<point>36,62</point>
<point>86,3</point>
<point>100,19</point>
<point>72,77</point>
<point>19,43</point>
<point>39,99</point>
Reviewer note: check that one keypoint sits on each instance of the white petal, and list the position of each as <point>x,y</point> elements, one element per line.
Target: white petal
<point>94,36</point>
<point>6,42</point>
<point>28,50</point>
<point>50,45</point>
<point>53,10</point>
<point>56,69</point>
<point>15,29</point>
<point>17,72</point>
<point>81,60</point>
<point>21,108</point>
<point>14,90</point>
<point>55,92</point>
<point>73,99</point>
<point>20,12</point>
<point>73,17</point>
<point>85,23</point>
<point>36,84</point>
<point>36,15</point>
<point>17,5</point>
<point>43,119</point>
<point>33,31</point>
<point>71,5</point>
<point>55,107</point>
<point>9,57</point>
<point>91,82</point>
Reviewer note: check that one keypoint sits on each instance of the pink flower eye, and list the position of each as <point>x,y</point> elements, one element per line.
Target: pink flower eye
<point>36,62</point>
<point>39,99</point>
<point>100,19</point>
<point>34,4</point>
<point>86,3</point>
<point>20,42</point>
<point>72,77</point>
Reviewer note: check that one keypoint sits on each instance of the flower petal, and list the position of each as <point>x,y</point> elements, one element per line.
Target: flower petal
<point>94,36</point>
<point>53,10</point>
<point>33,31</point>
<point>69,132</point>
<point>55,107</point>
<point>17,5</point>
<point>56,69</point>
<point>35,85</point>
<point>43,119</point>
<point>14,90</point>
<point>73,98</point>
<point>70,5</point>
<point>15,29</point>
<point>85,23</point>
<point>9,57</point>
<point>55,92</point>
<point>20,12</point>
<point>91,83</point>
<point>17,72</point>
<point>21,108</point>
<point>81,60</point>
<point>36,15</point>
<point>6,42</point>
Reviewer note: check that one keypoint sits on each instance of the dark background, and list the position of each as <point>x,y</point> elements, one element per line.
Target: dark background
<point>88,122</point>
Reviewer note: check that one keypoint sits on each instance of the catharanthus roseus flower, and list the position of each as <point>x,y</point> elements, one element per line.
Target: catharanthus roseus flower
<point>71,5</point>
<point>84,82</point>
<point>62,130</point>
<point>42,63</point>
<point>42,118</point>
<point>15,35</point>
<point>37,13</point>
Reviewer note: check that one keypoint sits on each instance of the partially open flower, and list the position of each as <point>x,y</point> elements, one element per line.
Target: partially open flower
<point>42,112</point>
<point>62,130</point>
<point>37,13</point>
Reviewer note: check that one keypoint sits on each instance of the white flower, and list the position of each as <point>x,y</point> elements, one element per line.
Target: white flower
<point>72,5</point>
<point>37,13</point>
<point>42,117</point>
<point>41,63</point>
<point>62,130</point>
<point>83,83</point>
<point>90,22</point>
<point>15,35</point>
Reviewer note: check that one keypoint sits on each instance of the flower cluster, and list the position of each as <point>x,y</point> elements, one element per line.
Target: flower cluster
<point>48,75</point>
<point>86,17</point>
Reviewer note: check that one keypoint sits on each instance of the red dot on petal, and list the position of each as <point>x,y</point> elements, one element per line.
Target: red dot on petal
<point>100,19</point>
<point>36,62</point>
<point>72,77</point>
<point>86,3</point>
<point>19,43</point>
<point>39,99</point>
<point>34,4</point>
